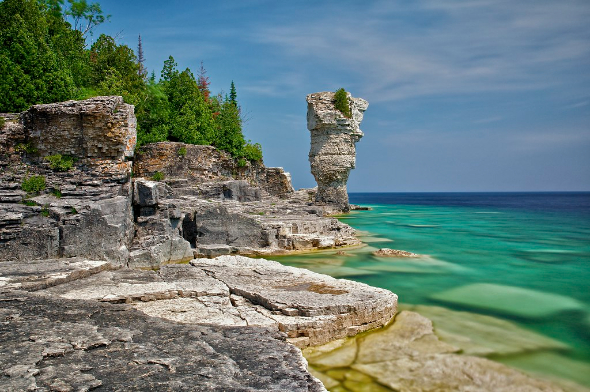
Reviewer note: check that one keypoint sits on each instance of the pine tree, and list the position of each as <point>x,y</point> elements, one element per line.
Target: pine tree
<point>233,97</point>
<point>141,58</point>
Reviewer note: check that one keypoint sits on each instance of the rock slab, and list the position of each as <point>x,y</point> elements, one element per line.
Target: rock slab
<point>51,343</point>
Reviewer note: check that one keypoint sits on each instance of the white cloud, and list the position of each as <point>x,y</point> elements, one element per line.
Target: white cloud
<point>440,47</point>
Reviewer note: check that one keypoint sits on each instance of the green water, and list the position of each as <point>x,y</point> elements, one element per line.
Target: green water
<point>529,267</point>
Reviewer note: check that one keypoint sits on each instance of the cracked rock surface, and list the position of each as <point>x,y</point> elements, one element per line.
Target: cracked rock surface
<point>235,290</point>
<point>57,344</point>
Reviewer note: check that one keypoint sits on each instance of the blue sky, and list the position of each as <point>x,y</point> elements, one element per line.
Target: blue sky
<point>473,95</point>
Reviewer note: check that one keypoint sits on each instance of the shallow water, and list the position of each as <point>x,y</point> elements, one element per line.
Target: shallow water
<point>523,257</point>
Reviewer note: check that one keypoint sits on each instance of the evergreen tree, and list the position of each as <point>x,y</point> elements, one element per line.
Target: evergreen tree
<point>31,71</point>
<point>115,70</point>
<point>141,58</point>
<point>233,97</point>
<point>229,135</point>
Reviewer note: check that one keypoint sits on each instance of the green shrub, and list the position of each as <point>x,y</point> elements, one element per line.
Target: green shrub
<point>242,162</point>
<point>182,151</point>
<point>158,176</point>
<point>341,103</point>
<point>73,211</point>
<point>22,148</point>
<point>29,203</point>
<point>252,152</point>
<point>45,211</point>
<point>2,122</point>
<point>56,192</point>
<point>60,162</point>
<point>33,184</point>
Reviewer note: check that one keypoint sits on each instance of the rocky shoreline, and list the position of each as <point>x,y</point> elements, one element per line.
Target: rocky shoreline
<point>113,280</point>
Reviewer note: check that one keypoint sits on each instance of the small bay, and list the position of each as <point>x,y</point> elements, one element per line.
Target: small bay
<point>519,257</point>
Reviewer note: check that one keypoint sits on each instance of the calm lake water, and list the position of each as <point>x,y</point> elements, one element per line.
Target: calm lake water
<point>524,257</point>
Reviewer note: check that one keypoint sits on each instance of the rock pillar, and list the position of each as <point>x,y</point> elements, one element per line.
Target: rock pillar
<point>333,139</point>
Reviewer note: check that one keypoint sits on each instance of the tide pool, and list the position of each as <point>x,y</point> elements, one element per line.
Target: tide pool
<point>519,257</point>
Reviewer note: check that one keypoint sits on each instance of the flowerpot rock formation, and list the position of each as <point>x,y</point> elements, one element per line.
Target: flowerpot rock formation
<point>333,138</point>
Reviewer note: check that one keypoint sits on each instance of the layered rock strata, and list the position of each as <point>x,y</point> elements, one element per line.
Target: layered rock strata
<point>83,211</point>
<point>333,138</point>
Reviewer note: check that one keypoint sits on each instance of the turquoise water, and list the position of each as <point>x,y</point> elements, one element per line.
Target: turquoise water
<point>520,257</point>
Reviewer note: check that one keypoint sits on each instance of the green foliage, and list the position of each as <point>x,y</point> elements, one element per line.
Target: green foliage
<point>33,184</point>
<point>44,58</point>
<point>252,152</point>
<point>60,162</point>
<point>25,148</point>
<point>228,128</point>
<point>73,211</point>
<point>153,115</point>
<point>341,102</point>
<point>114,70</point>
<point>242,162</point>
<point>45,211</point>
<point>182,151</point>
<point>2,122</point>
<point>33,62</point>
<point>29,203</point>
<point>158,176</point>
<point>56,192</point>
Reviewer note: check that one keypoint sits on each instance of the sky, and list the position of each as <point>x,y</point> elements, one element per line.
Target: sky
<point>472,95</point>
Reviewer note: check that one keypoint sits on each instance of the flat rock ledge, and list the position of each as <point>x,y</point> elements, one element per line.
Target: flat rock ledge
<point>229,323</point>
<point>56,344</point>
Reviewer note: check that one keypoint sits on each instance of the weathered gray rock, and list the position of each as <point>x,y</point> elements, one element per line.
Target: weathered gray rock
<point>234,290</point>
<point>206,164</point>
<point>41,274</point>
<point>58,344</point>
<point>97,128</point>
<point>333,138</point>
<point>309,307</point>
<point>85,211</point>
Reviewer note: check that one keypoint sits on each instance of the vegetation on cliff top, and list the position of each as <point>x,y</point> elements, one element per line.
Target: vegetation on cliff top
<point>341,102</point>
<point>44,58</point>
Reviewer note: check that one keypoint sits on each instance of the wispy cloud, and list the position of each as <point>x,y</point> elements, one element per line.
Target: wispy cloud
<point>440,47</point>
<point>488,120</point>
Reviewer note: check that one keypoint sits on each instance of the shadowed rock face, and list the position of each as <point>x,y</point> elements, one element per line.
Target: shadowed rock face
<point>333,139</point>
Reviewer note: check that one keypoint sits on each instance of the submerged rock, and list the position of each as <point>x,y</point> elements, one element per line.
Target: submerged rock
<point>477,334</point>
<point>386,252</point>
<point>511,300</point>
<point>408,356</point>
<point>333,138</point>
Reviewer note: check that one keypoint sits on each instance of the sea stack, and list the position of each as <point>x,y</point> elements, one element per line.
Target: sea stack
<point>333,139</point>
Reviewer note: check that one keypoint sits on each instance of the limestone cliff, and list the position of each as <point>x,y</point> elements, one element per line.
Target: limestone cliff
<point>83,211</point>
<point>333,138</point>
